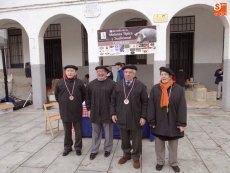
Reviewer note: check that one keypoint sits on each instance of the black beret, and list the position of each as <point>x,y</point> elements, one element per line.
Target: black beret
<point>167,70</point>
<point>119,63</point>
<point>71,66</point>
<point>102,67</point>
<point>130,67</point>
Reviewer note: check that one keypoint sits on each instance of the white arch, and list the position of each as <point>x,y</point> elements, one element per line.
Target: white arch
<point>52,18</point>
<point>11,22</point>
<point>120,11</point>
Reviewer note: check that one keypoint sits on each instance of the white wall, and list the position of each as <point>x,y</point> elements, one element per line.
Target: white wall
<point>25,45</point>
<point>1,65</point>
<point>208,37</point>
<point>71,41</point>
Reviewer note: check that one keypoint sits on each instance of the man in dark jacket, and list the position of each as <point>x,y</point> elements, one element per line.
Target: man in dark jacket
<point>120,72</point>
<point>98,100</point>
<point>219,81</point>
<point>167,115</point>
<point>70,93</point>
<point>129,109</point>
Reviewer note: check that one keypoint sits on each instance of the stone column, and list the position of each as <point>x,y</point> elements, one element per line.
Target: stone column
<point>160,55</point>
<point>93,53</point>
<point>226,79</point>
<point>37,61</point>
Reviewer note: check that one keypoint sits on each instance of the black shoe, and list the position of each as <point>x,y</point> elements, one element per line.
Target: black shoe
<point>78,152</point>
<point>217,98</point>
<point>107,153</point>
<point>92,156</point>
<point>66,152</point>
<point>176,168</point>
<point>159,167</point>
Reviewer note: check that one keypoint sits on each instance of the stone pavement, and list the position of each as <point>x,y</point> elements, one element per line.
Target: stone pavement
<point>25,148</point>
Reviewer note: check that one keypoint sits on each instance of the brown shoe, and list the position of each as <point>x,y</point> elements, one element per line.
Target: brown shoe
<point>124,159</point>
<point>136,164</point>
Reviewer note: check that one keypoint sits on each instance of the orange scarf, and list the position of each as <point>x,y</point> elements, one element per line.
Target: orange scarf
<point>164,95</point>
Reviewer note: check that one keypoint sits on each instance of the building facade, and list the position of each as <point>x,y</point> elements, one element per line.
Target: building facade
<point>51,34</point>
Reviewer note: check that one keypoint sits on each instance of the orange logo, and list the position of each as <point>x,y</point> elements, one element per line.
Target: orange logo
<point>220,9</point>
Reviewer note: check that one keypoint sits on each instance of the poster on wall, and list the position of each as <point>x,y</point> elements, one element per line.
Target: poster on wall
<point>127,41</point>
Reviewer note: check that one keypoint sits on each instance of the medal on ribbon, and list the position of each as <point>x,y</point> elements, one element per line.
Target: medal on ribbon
<point>126,100</point>
<point>71,97</point>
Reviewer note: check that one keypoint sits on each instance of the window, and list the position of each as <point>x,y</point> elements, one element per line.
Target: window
<point>182,24</point>
<point>53,31</point>
<point>14,51</point>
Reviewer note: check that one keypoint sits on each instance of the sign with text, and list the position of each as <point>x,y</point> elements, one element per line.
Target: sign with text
<point>220,9</point>
<point>127,41</point>
<point>160,18</point>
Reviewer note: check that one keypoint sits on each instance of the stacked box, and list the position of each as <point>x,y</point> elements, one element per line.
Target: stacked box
<point>211,95</point>
<point>200,94</point>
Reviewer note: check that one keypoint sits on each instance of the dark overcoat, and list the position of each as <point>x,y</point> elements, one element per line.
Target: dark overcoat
<point>128,115</point>
<point>70,110</point>
<point>98,99</point>
<point>166,122</point>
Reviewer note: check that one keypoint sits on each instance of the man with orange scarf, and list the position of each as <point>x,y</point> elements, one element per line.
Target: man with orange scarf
<point>70,93</point>
<point>167,116</point>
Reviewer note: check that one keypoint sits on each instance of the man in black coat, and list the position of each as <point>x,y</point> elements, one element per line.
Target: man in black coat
<point>70,93</point>
<point>167,115</point>
<point>98,100</point>
<point>129,109</point>
<point>219,81</point>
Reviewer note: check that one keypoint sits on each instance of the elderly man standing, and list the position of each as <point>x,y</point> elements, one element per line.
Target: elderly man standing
<point>98,100</point>
<point>167,115</point>
<point>129,109</point>
<point>70,93</point>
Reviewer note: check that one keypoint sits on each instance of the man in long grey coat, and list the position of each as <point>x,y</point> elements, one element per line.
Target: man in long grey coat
<point>98,100</point>
<point>70,93</point>
<point>167,115</point>
<point>129,109</point>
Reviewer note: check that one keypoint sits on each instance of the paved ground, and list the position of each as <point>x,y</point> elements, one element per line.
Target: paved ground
<point>25,148</point>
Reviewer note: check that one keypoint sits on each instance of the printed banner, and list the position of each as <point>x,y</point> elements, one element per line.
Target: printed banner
<point>127,41</point>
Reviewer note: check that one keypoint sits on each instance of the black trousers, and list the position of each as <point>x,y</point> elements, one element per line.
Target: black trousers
<point>68,142</point>
<point>136,137</point>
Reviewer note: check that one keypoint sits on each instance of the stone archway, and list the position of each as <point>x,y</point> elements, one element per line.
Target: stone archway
<point>16,55</point>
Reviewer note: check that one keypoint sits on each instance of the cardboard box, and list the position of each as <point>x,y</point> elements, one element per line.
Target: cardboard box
<point>6,107</point>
